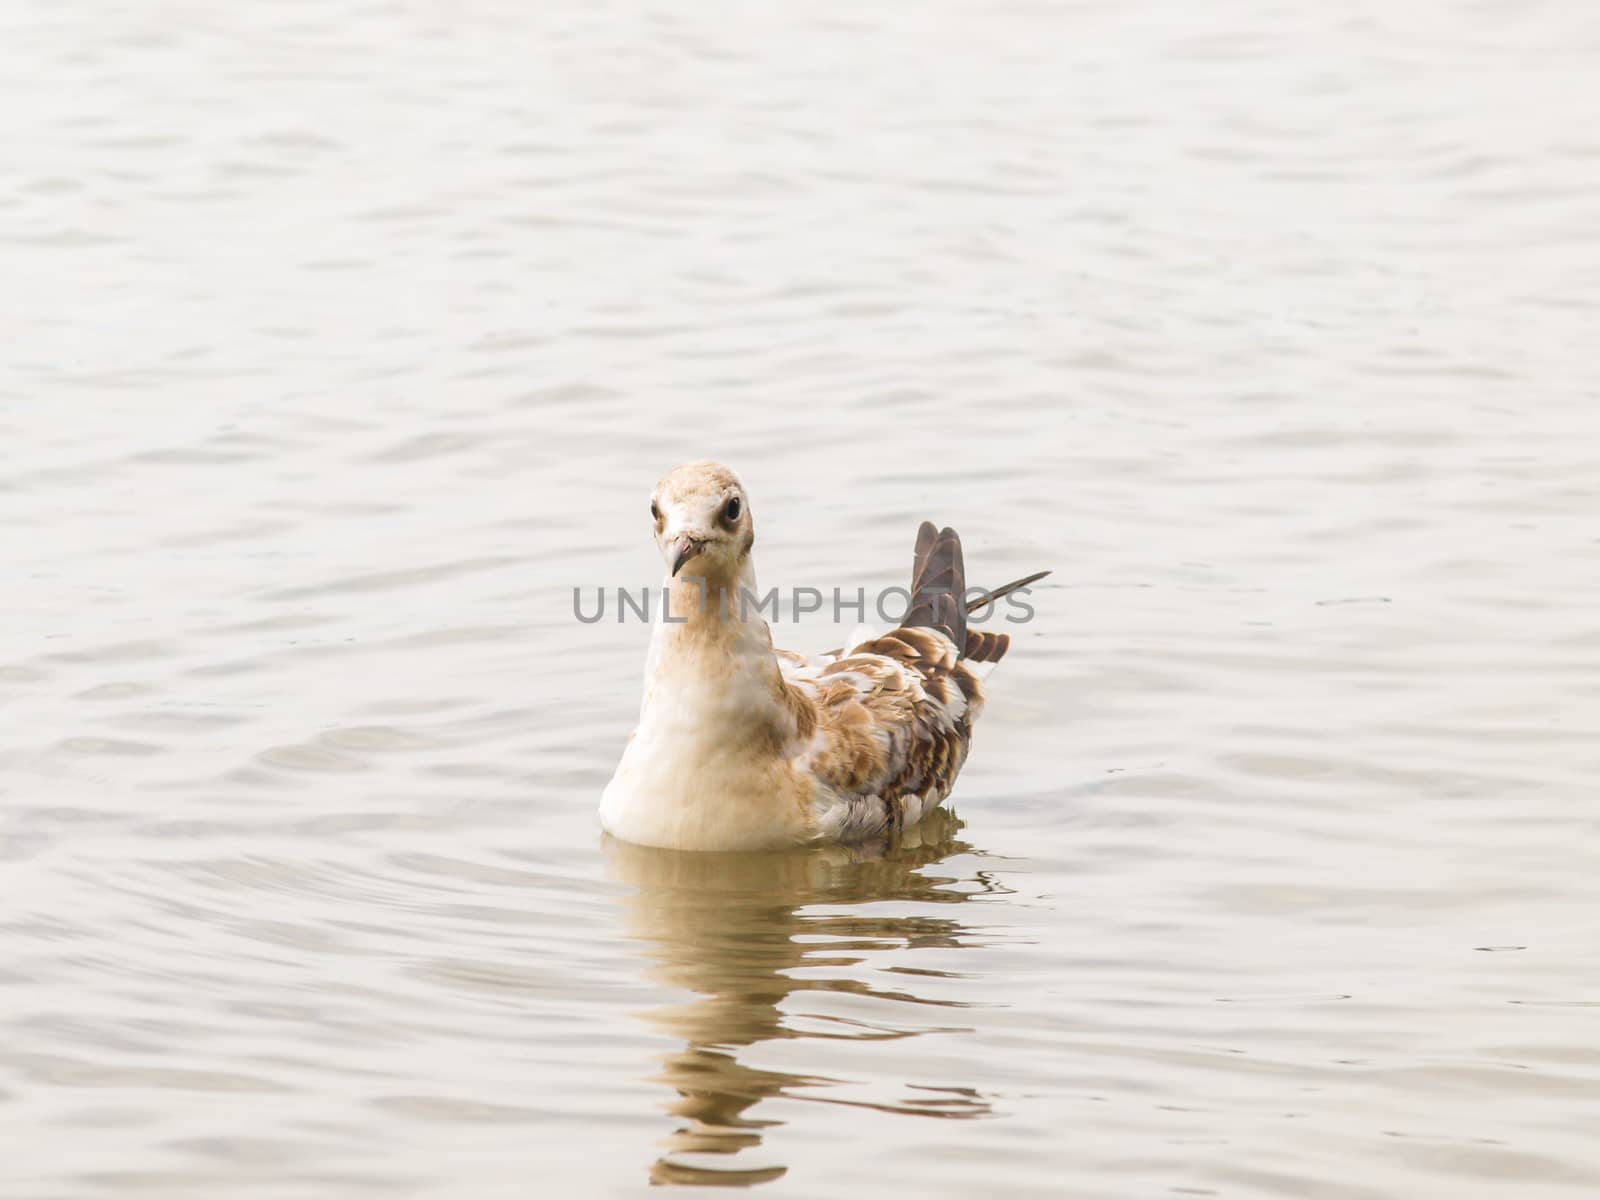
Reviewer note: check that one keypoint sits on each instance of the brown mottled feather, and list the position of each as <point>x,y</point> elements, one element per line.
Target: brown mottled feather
<point>986,647</point>
<point>893,718</point>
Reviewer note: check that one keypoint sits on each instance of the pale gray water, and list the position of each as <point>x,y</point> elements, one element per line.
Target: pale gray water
<point>343,340</point>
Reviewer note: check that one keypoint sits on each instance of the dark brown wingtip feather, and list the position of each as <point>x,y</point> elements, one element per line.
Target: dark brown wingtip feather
<point>1004,590</point>
<point>938,583</point>
<point>927,534</point>
<point>939,595</point>
<point>952,615</point>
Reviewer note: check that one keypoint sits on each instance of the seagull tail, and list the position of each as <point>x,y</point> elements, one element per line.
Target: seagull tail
<point>939,595</point>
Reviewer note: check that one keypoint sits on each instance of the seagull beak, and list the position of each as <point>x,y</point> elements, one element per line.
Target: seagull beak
<point>683,549</point>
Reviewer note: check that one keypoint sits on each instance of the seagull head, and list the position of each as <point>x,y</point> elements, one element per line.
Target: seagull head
<point>702,522</point>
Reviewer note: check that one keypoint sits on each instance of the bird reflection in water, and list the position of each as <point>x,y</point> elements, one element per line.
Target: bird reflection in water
<point>724,926</point>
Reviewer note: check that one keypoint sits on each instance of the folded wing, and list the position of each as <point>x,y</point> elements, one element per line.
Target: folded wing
<point>884,727</point>
<point>889,728</point>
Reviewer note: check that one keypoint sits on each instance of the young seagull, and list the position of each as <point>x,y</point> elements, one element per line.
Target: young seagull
<point>741,747</point>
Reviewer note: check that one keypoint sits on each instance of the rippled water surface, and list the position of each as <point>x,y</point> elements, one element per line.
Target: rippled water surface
<point>343,340</point>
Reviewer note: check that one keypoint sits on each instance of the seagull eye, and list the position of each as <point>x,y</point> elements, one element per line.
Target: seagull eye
<point>730,514</point>
<point>655,511</point>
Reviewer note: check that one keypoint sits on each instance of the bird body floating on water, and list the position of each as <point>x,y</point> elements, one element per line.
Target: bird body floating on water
<point>743,747</point>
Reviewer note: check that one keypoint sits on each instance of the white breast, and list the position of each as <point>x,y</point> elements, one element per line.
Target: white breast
<point>703,770</point>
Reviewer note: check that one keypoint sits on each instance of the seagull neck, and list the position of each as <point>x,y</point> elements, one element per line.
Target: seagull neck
<point>713,612</point>
<point>711,668</point>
